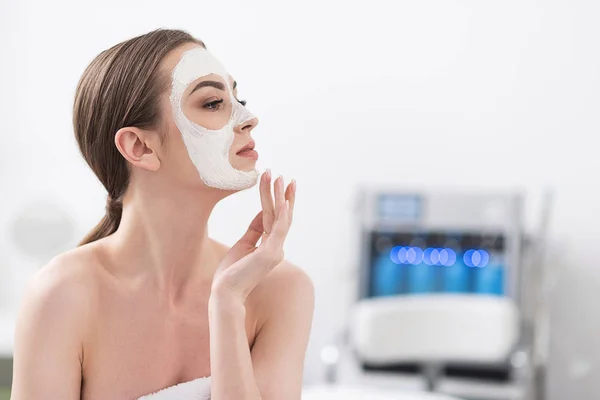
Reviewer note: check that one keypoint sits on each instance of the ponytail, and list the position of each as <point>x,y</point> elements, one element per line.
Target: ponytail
<point>108,224</point>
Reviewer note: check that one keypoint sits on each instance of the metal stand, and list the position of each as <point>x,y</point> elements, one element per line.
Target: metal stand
<point>432,373</point>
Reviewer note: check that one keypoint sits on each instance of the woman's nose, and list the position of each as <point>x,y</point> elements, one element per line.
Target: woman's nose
<point>247,126</point>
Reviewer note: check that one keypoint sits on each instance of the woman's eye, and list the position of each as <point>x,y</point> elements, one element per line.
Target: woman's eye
<point>242,102</point>
<point>214,105</point>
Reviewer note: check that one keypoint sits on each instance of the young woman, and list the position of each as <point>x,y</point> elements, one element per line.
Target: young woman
<point>149,303</point>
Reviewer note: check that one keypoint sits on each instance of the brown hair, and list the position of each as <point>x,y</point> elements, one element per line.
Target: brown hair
<point>120,88</point>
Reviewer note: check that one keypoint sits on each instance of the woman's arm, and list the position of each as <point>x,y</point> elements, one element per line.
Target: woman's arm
<point>232,375</point>
<point>278,352</point>
<point>285,305</point>
<point>48,350</point>
<point>274,368</point>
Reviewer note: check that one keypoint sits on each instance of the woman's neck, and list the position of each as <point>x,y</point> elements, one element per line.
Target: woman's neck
<point>163,239</point>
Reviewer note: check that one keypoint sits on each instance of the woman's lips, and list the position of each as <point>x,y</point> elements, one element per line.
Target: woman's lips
<point>248,153</point>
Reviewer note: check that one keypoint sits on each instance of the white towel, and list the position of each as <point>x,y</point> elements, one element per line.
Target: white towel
<point>198,389</point>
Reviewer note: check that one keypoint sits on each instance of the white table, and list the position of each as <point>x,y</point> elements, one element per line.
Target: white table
<point>361,392</point>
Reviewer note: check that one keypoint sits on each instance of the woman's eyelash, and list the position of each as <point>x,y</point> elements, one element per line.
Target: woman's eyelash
<point>213,105</point>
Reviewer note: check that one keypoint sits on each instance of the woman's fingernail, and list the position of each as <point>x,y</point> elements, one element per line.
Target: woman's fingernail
<point>268,175</point>
<point>294,185</point>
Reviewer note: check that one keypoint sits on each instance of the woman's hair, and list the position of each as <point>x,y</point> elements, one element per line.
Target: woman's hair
<point>120,88</point>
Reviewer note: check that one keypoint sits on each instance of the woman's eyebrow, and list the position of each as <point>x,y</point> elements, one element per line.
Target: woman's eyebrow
<point>215,84</point>
<point>234,85</point>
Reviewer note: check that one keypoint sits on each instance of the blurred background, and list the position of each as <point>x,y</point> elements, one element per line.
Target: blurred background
<point>445,153</point>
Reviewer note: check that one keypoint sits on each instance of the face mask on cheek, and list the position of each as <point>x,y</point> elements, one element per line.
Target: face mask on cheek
<point>209,149</point>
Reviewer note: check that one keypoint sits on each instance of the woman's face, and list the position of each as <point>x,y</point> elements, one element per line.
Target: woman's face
<point>207,103</point>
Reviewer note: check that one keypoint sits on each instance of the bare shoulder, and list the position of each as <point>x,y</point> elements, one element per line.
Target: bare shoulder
<point>72,270</point>
<point>287,285</point>
<point>62,290</point>
<point>52,326</point>
<point>287,288</point>
<point>286,278</point>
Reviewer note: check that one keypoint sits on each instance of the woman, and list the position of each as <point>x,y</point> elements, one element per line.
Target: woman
<point>148,301</point>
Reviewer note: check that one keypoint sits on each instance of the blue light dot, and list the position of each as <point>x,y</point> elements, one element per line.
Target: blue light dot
<point>418,255</point>
<point>451,257</point>
<point>444,257</point>
<point>485,258</point>
<point>427,256</point>
<point>476,258</point>
<point>411,255</point>
<point>435,257</point>
<point>402,255</point>
<point>467,258</point>
<point>394,254</point>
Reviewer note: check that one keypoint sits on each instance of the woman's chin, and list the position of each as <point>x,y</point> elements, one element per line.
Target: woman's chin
<point>247,166</point>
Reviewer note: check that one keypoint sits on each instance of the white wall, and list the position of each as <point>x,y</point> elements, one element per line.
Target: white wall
<point>453,93</point>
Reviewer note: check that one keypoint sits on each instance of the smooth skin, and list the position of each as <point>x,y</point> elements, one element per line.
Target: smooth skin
<point>158,302</point>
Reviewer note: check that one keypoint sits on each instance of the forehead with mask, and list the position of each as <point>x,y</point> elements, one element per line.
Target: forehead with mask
<point>209,146</point>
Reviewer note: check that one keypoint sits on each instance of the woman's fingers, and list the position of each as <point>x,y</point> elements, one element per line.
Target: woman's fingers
<point>266,201</point>
<point>274,242</point>
<point>278,212</point>
<point>279,195</point>
<point>290,195</point>
<point>254,232</point>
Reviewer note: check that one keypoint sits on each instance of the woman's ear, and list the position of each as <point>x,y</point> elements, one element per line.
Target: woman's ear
<point>139,147</point>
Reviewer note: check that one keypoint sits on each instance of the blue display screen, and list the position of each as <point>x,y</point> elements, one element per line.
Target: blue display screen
<point>404,263</point>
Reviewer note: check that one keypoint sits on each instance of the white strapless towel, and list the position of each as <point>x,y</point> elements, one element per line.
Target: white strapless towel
<point>198,389</point>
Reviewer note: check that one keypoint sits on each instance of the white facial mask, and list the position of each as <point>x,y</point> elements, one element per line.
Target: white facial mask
<point>209,149</point>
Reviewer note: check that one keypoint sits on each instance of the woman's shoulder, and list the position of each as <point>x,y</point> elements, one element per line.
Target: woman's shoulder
<point>287,288</point>
<point>63,288</point>
<point>74,268</point>
<point>53,324</point>
<point>285,277</point>
<point>284,280</point>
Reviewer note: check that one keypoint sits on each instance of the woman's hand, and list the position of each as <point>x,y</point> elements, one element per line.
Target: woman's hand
<point>245,265</point>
